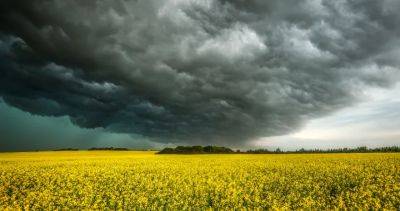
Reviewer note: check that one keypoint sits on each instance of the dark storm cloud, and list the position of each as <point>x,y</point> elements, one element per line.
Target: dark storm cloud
<point>195,71</point>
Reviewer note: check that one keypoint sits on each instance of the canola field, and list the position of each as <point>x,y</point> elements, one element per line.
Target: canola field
<point>144,180</point>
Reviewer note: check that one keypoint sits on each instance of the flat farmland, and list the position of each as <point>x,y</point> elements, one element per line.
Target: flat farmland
<point>145,180</point>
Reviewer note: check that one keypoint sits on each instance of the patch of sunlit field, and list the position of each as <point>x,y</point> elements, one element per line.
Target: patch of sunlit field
<point>144,180</point>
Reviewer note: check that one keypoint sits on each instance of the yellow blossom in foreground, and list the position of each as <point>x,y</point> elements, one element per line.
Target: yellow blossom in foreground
<point>144,180</point>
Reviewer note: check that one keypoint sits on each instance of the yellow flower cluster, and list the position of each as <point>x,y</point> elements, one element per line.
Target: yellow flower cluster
<point>144,180</point>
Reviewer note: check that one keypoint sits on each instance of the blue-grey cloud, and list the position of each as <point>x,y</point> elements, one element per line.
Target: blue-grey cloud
<point>195,71</point>
<point>23,131</point>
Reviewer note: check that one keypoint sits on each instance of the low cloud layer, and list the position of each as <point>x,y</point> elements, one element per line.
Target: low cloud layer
<point>209,71</point>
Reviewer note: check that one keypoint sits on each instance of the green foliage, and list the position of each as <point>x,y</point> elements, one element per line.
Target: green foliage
<point>108,148</point>
<point>340,150</point>
<point>196,150</point>
<point>220,150</point>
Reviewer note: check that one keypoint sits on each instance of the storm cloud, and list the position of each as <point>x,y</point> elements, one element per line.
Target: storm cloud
<point>207,71</point>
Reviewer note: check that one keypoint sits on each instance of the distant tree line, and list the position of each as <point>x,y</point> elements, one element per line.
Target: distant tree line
<point>196,150</point>
<point>102,148</point>
<point>338,150</point>
<point>225,150</point>
<point>109,148</point>
<point>65,149</point>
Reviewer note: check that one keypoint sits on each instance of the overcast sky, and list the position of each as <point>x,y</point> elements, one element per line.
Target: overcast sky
<point>375,122</point>
<point>290,74</point>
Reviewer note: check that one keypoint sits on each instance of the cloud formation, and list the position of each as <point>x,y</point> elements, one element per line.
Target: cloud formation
<point>373,123</point>
<point>209,71</point>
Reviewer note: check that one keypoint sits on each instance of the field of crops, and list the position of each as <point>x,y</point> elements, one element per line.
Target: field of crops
<point>128,180</point>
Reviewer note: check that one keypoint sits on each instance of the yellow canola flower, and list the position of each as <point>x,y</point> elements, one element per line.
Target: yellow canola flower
<point>98,180</point>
